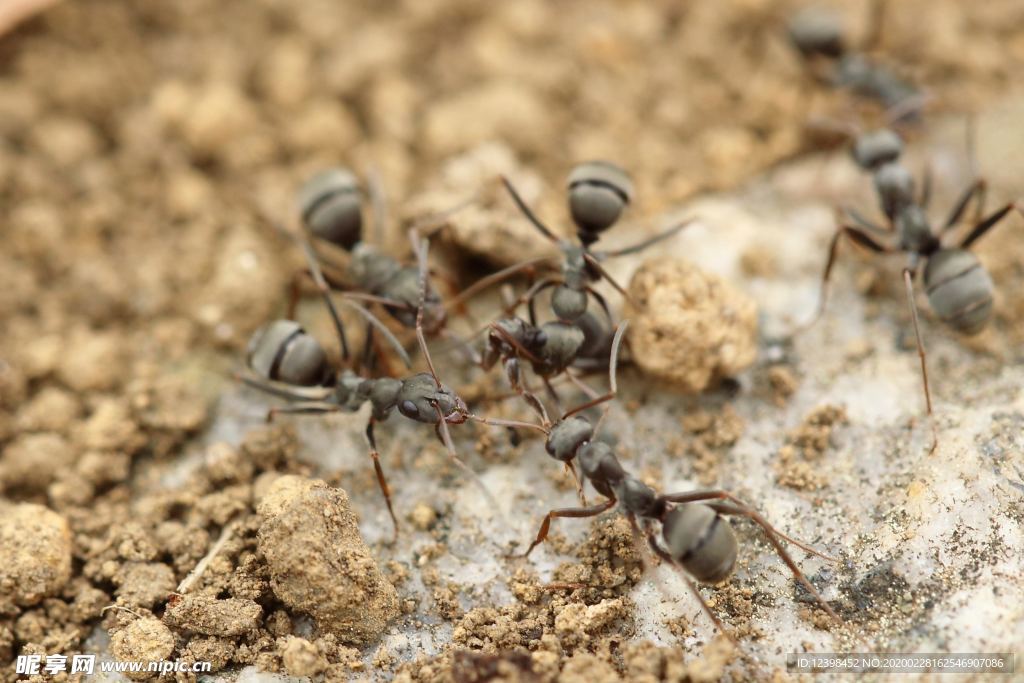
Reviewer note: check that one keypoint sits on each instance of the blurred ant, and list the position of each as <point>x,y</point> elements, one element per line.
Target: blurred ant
<point>330,208</point>
<point>695,536</point>
<point>817,34</point>
<point>289,363</point>
<point>959,288</point>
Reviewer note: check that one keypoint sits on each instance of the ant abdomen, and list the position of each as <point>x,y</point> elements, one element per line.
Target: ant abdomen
<point>283,352</point>
<point>599,191</point>
<point>701,541</point>
<point>814,31</point>
<point>959,290</point>
<point>330,204</point>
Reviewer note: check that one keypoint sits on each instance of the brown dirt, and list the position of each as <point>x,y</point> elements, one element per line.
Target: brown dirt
<point>145,150</point>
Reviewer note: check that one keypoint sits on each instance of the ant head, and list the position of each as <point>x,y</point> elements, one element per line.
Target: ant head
<point>816,31</point>
<point>330,204</point>
<point>599,191</point>
<point>567,436</point>
<point>283,352</point>
<point>420,398</point>
<point>873,149</point>
<point>700,540</point>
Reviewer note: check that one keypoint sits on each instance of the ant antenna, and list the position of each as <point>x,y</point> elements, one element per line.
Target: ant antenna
<point>528,212</point>
<point>420,247</point>
<point>321,284</point>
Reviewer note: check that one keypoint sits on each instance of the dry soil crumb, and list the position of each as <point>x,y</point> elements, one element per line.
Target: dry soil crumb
<point>35,544</point>
<point>798,463</point>
<point>143,640</point>
<point>712,433</point>
<point>689,327</point>
<point>318,562</point>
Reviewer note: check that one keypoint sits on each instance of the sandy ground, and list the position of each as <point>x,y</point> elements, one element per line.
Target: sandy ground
<point>144,157</point>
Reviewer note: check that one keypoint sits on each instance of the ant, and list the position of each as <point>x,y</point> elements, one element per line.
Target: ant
<point>598,193</point>
<point>289,363</point>
<point>817,35</point>
<point>695,536</point>
<point>959,288</point>
<point>330,208</point>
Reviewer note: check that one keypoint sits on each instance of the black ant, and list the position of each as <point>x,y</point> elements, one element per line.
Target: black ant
<point>695,535</point>
<point>959,288</point>
<point>817,34</point>
<point>291,364</point>
<point>330,207</point>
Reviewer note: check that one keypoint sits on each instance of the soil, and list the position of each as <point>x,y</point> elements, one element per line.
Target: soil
<point>148,152</point>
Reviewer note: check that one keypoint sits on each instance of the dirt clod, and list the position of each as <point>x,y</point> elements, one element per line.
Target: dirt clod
<point>688,327</point>
<point>212,617</point>
<point>144,640</point>
<point>35,544</point>
<point>318,562</point>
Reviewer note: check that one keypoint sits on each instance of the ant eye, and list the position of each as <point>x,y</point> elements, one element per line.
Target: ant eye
<point>409,409</point>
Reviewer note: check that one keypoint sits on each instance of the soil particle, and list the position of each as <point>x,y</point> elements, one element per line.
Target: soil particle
<point>796,465</point>
<point>143,584</point>
<point>318,562</point>
<point>688,327</point>
<point>144,640</point>
<point>301,658</point>
<point>576,623</point>
<point>209,616</point>
<point>35,544</point>
<point>31,462</point>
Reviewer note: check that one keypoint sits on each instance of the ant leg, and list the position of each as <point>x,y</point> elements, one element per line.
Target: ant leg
<point>652,542</point>
<point>636,248</point>
<point>530,296</point>
<point>552,393</point>
<point>493,279</point>
<point>311,408</point>
<point>373,320</point>
<point>512,372</point>
<point>294,295</point>
<point>588,391</point>
<point>612,372</point>
<point>865,222</point>
<point>382,481</point>
<point>926,187</point>
<point>596,265</point>
<point>446,438</point>
<point>286,391</point>
<point>570,467</point>
<point>528,212</point>
<point>908,281</point>
<point>988,223</point>
<point>771,533</point>
<point>325,292</point>
<point>975,189</point>
<point>574,513</point>
<point>858,237</point>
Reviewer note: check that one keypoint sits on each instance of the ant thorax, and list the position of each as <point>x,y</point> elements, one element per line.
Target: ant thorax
<point>371,267</point>
<point>915,231</point>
